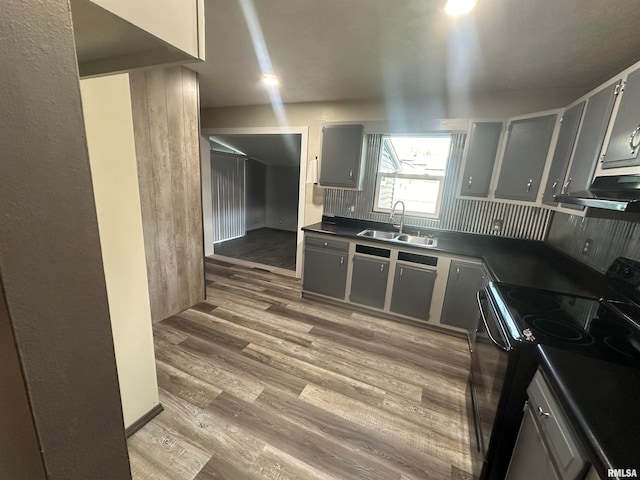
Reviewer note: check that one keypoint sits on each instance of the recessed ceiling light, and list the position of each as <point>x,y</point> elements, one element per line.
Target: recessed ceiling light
<point>459,7</point>
<point>270,79</point>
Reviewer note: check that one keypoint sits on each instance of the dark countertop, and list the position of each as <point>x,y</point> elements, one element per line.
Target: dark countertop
<point>602,401</point>
<point>521,262</point>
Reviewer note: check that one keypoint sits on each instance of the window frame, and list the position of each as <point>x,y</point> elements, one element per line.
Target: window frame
<point>439,178</point>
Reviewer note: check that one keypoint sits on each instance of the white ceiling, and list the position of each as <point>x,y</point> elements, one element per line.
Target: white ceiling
<point>326,50</point>
<point>279,150</point>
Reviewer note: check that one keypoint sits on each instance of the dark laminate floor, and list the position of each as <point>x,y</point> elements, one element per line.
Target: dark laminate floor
<point>258,382</point>
<point>267,246</point>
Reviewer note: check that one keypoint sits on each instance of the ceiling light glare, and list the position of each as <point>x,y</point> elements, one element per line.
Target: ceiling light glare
<point>459,7</point>
<point>270,80</point>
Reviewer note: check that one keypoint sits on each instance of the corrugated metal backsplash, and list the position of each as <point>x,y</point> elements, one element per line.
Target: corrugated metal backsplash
<point>474,216</point>
<point>609,239</point>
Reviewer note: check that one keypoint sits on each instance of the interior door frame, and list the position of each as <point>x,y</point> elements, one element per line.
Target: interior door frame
<point>302,189</point>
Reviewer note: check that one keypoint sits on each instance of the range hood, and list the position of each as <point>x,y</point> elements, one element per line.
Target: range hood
<point>616,192</point>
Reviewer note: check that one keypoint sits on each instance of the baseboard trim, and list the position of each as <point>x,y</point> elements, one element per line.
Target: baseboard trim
<point>143,420</point>
<point>386,315</point>
<point>259,266</point>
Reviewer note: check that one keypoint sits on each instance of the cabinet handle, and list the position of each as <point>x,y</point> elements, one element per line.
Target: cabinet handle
<point>469,183</point>
<point>326,244</point>
<point>401,272</point>
<point>351,175</point>
<point>542,413</point>
<point>341,261</point>
<point>457,273</point>
<point>529,183</point>
<point>555,184</point>
<point>566,186</point>
<point>632,139</point>
<point>381,269</point>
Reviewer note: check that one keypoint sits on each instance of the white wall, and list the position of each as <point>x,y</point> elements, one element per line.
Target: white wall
<point>207,199</point>
<point>177,22</point>
<point>282,198</point>
<point>412,116</point>
<point>109,126</point>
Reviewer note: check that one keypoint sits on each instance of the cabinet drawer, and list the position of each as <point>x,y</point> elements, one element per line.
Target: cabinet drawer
<point>326,243</point>
<point>555,428</point>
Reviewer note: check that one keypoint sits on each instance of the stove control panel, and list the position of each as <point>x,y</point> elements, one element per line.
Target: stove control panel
<point>625,271</point>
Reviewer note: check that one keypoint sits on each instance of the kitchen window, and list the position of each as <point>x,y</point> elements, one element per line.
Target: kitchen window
<point>412,169</point>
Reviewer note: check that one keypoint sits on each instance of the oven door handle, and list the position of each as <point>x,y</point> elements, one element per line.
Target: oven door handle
<point>482,296</point>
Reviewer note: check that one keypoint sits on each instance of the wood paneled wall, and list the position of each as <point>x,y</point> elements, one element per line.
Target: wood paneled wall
<point>165,107</point>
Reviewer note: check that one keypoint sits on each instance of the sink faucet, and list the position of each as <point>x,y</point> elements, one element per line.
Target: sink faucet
<point>393,212</point>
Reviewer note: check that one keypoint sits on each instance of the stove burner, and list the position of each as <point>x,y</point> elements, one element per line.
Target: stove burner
<point>628,348</point>
<point>607,328</point>
<point>558,329</point>
<point>538,300</point>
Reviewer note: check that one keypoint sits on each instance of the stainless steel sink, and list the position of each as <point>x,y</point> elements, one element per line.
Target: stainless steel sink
<point>426,241</point>
<point>400,237</point>
<point>378,234</point>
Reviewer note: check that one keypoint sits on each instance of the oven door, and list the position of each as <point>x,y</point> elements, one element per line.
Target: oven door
<point>489,360</point>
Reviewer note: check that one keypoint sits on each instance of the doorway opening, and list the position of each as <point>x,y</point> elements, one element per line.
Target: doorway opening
<point>257,194</point>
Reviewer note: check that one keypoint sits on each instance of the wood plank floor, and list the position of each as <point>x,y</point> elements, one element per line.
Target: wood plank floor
<point>259,383</point>
<point>266,246</point>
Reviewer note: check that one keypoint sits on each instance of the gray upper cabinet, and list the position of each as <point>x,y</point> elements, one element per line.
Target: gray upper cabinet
<point>484,138</point>
<point>325,267</point>
<point>624,143</point>
<point>562,154</point>
<point>342,156</point>
<point>590,139</point>
<point>369,281</point>
<point>412,291</point>
<point>524,157</point>
<point>460,308</point>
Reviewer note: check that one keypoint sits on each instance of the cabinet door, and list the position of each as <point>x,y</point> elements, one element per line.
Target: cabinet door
<point>369,281</point>
<point>562,154</point>
<point>589,143</point>
<point>525,154</point>
<point>481,155</point>
<point>325,272</point>
<point>624,143</point>
<point>460,308</point>
<point>530,457</point>
<point>341,156</point>
<point>412,291</point>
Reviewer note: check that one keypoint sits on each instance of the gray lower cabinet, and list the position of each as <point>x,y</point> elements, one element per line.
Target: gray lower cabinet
<point>590,139</point>
<point>562,154</point>
<point>341,156</point>
<point>530,458</point>
<point>484,138</point>
<point>460,308</point>
<point>325,267</point>
<point>525,155</point>
<point>412,291</point>
<point>546,446</point>
<point>369,281</point>
<point>624,143</point>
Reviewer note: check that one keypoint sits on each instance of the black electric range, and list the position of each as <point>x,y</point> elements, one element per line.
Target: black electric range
<point>607,330</point>
<point>514,320</point>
